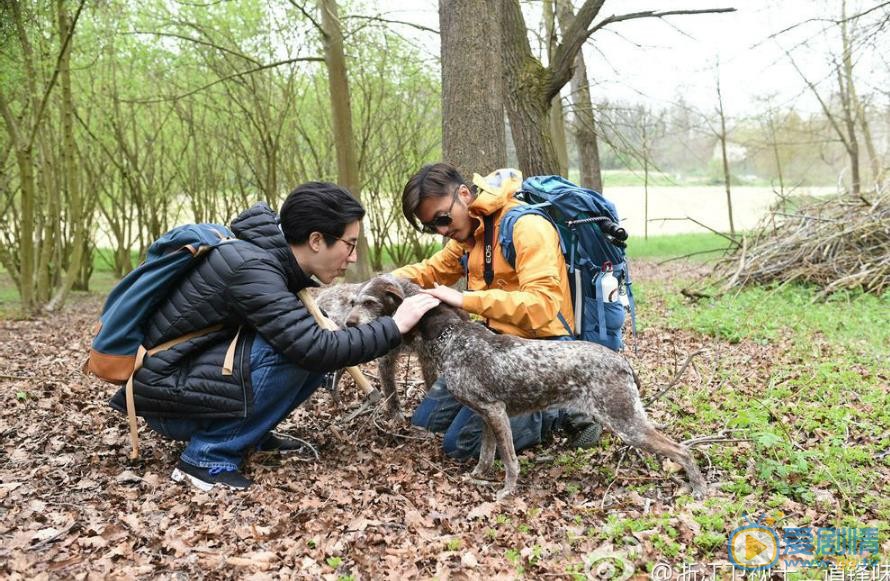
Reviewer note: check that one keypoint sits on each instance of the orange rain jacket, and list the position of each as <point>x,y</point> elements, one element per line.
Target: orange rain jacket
<point>523,301</point>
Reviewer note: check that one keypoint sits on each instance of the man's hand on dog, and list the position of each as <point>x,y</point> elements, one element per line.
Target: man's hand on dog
<point>412,309</point>
<point>447,295</point>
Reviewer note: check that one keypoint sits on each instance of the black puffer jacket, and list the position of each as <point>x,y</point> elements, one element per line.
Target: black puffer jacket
<point>251,283</point>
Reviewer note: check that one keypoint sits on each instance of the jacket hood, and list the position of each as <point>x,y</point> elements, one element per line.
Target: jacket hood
<point>259,226</point>
<point>494,190</point>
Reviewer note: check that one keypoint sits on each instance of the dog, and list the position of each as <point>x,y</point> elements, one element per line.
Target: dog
<point>498,376</point>
<point>338,302</point>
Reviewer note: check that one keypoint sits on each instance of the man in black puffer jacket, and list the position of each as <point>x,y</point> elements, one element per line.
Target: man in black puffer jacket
<point>274,351</point>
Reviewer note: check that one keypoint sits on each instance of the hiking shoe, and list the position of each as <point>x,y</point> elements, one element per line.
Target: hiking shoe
<point>206,478</point>
<point>582,430</point>
<point>283,445</point>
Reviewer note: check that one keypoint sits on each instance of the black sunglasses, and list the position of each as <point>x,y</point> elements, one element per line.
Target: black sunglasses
<point>442,220</point>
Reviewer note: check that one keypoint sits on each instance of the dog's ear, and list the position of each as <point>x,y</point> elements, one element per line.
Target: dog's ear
<point>394,293</point>
<point>391,292</point>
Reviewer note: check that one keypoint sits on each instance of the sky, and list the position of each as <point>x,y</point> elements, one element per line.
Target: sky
<point>655,61</point>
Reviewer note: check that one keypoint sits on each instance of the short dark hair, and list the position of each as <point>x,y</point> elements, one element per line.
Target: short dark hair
<point>318,207</point>
<point>434,180</point>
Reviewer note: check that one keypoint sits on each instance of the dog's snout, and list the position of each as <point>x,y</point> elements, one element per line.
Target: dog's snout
<point>352,322</point>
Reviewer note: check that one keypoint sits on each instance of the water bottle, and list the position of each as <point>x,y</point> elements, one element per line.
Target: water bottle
<point>609,284</point>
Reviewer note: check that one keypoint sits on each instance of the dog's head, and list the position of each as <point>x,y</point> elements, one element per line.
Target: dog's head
<point>378,297</point>
<point>336,301</point>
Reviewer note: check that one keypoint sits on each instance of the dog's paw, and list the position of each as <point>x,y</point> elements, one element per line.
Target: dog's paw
<point>479,472</point>
<point>699,492</point>
<point>505,493</point>
<point>395,415</point>
<point>473,479</point>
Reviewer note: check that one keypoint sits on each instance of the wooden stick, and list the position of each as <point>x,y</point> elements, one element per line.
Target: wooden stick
<point>325,323</point>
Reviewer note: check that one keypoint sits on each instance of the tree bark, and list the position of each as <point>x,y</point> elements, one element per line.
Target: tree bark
<point>70,171</point>
<point>341,112</point>
<point>473,133</point>
<point>848,98</point>
<point>723,139</point>
<point>557,111</point>
<point>584,127</point>
<point>528,97</point>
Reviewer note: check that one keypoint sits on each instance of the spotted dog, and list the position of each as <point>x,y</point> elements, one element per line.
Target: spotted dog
<point>500,376</point>
<point>338,302</point>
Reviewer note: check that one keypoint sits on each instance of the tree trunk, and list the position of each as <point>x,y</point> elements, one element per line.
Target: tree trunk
<point>557,112</point>
<point>341,112</point>
<point>473,134</point>
<point>848,98</point>
<point>774,145</point>
<point>70,172</point>
<point>723,138</point>
<point>584,127</point>
<point>527,97</point>
<point>25,160</point>
<point>644,134</point>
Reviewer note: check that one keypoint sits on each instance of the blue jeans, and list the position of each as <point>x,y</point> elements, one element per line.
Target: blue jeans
<point>440,412</point>
<point>278,388</point>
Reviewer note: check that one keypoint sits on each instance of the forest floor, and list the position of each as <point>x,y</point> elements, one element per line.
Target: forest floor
<point>799,414</point>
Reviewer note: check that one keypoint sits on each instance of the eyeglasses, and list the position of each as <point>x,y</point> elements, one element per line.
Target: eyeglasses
<point>351,245</point>
<point>442,220</point>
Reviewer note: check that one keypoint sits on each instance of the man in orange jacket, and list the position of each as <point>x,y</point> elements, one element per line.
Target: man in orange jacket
<point>531,300</point>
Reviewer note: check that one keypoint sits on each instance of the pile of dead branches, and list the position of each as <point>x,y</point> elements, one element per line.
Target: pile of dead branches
<point>837,243</point>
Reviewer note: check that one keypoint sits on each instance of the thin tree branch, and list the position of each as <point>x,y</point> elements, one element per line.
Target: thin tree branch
<point>197,41</point>
<point>379,18</point>
<point>578,33</point>
<point>676,377</point>
<point>836,21</point>
<point>563,64</point>
<point>703,225</point>
<point>55,76</point>
<point>223,79</point>
<point>654,14</point>
<point>825,109</point>
<point>309,17</point>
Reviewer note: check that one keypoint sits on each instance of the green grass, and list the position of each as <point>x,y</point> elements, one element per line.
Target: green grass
<point>101,283</point>
<point>823,416</point>
<point>853,322</point>
<point>704,247</point>
<point>103,259</point>
<point>805,384</point>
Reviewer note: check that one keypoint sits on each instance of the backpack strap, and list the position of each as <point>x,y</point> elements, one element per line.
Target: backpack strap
<point>508,222</point>
<point>488,222</point>
<point>505,239</point>
<point>140,358</point>
<point>600,306</point>
<point>564,323</point>
<point>630,300</point>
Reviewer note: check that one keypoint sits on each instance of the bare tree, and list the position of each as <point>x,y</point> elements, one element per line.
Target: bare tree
<point>722,137</point>
<point>77,210</point>
<point>530,86</point>
<point>23,130</point>
<point>852,118</point>
<point>341,115</point>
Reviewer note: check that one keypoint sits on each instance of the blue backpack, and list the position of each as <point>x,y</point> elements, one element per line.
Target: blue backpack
<point>117,352</point>
<point>593,245</point>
